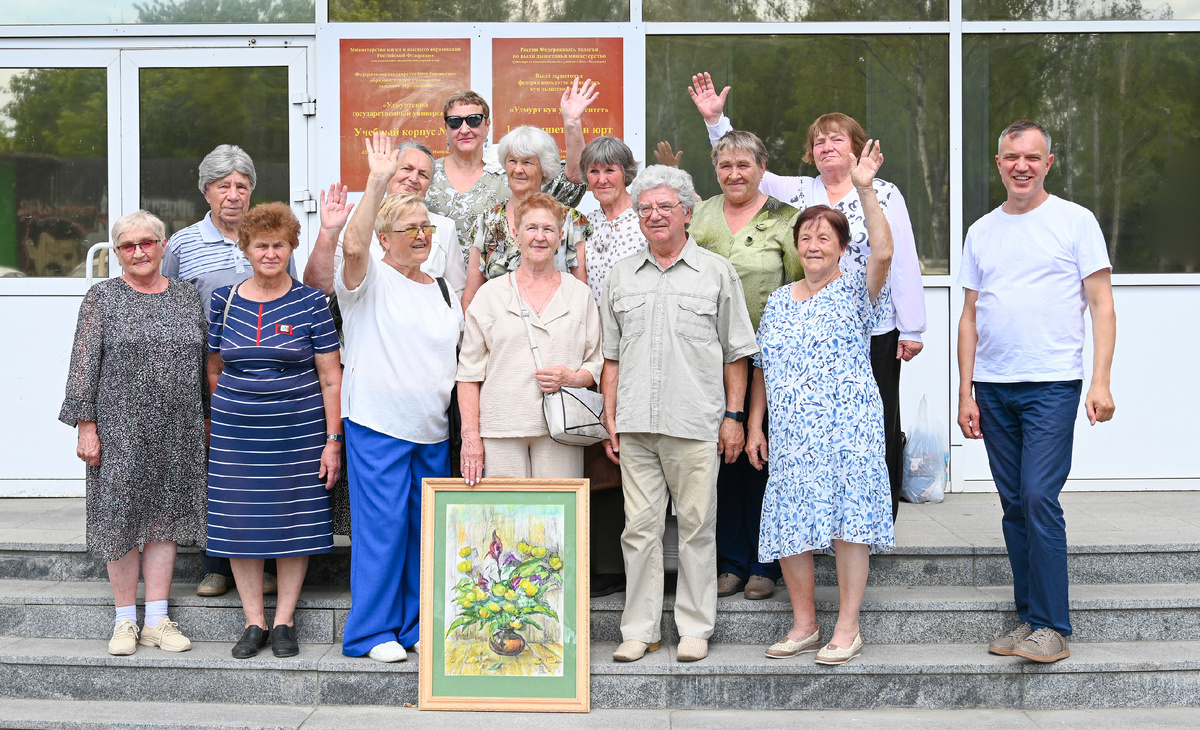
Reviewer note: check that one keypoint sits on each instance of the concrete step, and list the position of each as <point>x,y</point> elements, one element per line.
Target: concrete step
<point>81,715</point>
<point>734,676</point>
<point>924,565</point>
<point>932,614</point>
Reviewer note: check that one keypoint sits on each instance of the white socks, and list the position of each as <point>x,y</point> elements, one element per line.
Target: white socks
<point>155,611</point>
<point>126,613</point>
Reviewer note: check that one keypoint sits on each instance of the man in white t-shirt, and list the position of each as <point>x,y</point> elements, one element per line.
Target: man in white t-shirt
<point>1030,268</point>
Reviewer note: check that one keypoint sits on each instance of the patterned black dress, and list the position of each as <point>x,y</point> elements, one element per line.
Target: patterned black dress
<point>138,370</point>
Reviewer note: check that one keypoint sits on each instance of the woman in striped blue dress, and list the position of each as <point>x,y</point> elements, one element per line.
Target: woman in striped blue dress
<point>276,439</point>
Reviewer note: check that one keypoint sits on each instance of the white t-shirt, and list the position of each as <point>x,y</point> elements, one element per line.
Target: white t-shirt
<point>401,341</point>
<point>1029,271</point>
<point>445,257</point>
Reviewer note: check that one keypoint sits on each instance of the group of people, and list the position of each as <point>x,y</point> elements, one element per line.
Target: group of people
<point>788,301</point>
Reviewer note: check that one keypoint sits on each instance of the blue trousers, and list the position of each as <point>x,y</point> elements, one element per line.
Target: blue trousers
<point>740,489</point>
<point>1028,430</point>
<point>385,542</point>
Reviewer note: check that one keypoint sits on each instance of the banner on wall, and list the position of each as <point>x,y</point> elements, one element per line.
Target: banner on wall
<point>397,86</point>
<point>529,76</point>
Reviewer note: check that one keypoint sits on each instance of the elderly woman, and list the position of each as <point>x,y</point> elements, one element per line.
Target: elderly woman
<point>530,156</point>
<point>499,388</point>
<point>610,168</point>
<point>394,404</point>
<point>752,230</point>
<point>137,394</point>
<point>206,254</point>
<point>464,187</point>
<point>834,140</point>
<point>276,428</point>
<point>828,487</point>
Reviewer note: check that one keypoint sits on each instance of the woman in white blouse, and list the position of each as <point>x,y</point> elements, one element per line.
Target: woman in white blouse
<point>499,388</point>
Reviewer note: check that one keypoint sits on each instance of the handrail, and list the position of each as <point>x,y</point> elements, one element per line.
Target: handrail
<point>103,245</point>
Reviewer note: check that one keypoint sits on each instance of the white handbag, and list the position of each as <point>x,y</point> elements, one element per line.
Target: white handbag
<point>574,416</point>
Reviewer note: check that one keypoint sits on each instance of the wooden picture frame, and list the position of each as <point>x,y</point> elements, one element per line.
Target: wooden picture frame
<point>505,595</point>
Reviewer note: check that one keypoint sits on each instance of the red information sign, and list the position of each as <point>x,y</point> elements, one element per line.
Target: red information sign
<point>529,76</point>
<point>398,86</point>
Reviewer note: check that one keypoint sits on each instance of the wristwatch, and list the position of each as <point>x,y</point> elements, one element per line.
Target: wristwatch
<point>739,416</point>
<point>334,437</point>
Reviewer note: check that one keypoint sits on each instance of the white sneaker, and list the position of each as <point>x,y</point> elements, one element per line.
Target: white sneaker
<point>124,639</point>
<point>388,651</point>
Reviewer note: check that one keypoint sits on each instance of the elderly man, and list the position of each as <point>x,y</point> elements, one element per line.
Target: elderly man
<point>1029,269</point>
<point>206,254</point>
<point>406,168</point>
<point>676,337</point>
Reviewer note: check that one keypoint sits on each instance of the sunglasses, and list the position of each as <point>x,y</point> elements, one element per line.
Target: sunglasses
<point>129,248</point>
<point>411,232</point>
<point>472,120</point>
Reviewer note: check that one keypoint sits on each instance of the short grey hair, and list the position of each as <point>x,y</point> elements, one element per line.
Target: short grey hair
<point>609,151</point>
<point>223,160</point>
<point>663,176</point>
<point>1020,126</point>
<point>138,219</point>
<point>739,140</point>
<point>412,144</point>
<point>527,141</point>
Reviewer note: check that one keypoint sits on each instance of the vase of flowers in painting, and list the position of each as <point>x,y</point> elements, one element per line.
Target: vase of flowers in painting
<point>507,642</point>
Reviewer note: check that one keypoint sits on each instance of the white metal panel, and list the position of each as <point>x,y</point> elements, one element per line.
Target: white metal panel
<point>1154,385</point>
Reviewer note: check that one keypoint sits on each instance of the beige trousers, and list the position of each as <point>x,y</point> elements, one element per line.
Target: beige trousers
<point>653,466</point>
<point>537,457</point>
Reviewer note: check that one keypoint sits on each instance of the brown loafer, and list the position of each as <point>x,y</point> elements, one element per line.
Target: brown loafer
<point>728,584</point>
<point>759,587</point>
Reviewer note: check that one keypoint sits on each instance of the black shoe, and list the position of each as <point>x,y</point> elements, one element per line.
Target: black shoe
<point>283,641</point>
<point>253,639</point>
<point>607,584</point>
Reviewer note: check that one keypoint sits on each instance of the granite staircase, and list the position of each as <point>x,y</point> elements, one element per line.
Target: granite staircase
<point>930,608</point>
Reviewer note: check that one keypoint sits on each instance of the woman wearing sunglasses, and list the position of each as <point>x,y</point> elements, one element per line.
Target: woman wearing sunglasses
<point>464,186</point>
<point>136,391</point>
<point>402,328</point>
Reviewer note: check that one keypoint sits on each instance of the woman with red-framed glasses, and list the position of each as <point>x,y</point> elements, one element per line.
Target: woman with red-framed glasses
<point>137,393</point>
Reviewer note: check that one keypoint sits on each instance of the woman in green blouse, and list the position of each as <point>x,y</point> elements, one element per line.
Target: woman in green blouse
<point>754,231</point>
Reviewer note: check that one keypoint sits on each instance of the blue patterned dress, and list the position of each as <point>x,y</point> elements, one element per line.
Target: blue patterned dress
<point>828,476</point>
<point>268,427</point>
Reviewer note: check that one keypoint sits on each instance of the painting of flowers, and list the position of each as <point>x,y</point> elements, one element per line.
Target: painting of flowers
<point>504,590</point>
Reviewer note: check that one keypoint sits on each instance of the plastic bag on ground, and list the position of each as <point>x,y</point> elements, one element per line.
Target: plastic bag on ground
<point>926,459</point>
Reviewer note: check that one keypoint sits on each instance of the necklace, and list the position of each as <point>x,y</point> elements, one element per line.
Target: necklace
<point>530,282</point>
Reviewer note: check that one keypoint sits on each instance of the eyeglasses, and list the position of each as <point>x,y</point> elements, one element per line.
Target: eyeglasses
<point>664,209</point>
<point>412,231</point>
<point>472,120</point>
<point>129,248</point>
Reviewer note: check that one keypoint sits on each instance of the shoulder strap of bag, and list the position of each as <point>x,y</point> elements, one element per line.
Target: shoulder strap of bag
<point>445,290</point>
<point>225,316</point>
<point>537,358</point>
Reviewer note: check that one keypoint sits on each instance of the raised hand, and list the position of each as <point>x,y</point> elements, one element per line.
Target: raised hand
<point>382,156</point>
<point>666,155</point>
<point>577,99</point>
<point>864,169</point>
<point>709,103</point>
<point>335,210</point>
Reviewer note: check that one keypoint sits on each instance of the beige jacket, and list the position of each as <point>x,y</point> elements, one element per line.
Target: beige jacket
<point>496,352</point>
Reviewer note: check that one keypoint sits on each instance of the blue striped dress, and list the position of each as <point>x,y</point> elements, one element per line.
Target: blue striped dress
<point>268,427</point>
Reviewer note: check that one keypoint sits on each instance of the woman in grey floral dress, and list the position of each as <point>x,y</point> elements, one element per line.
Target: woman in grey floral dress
<point>136,391</point>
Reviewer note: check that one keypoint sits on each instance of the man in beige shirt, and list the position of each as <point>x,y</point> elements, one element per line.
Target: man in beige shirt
<point>676,338</point>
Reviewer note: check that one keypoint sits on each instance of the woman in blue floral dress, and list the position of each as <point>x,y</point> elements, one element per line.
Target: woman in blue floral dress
<point>828,488</point>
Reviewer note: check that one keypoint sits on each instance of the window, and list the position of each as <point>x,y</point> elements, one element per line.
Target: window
<point>1124,117</point>
<point>479,11</point>
<point>117,12</point>
<point>896,86</point>
<point>53,169</point>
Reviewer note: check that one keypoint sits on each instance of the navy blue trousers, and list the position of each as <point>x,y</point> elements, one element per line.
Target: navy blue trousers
<point>740,489</point>
<point>1028,430</point>
<point>385,544</point>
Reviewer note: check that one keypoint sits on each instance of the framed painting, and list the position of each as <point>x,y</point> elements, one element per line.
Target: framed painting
<point>504,595</point>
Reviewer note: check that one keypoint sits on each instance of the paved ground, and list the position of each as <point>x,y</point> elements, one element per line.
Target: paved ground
<point>963,520</point>
<point>32,714</point>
